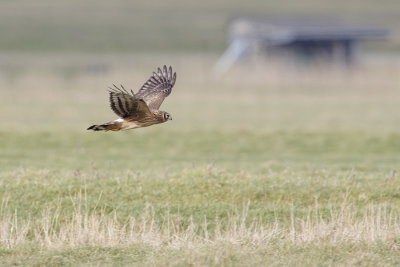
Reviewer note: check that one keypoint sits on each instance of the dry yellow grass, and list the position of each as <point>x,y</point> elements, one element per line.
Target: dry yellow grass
<point>343,225</point>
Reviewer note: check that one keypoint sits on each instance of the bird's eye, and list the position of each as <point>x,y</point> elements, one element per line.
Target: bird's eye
<point>166,116</point>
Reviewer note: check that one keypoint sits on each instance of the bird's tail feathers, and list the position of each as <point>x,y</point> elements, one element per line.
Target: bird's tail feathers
<point>109,126</point>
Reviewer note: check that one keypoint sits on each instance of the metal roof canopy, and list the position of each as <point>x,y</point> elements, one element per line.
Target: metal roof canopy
<point>243,32</point>
<point>280,30</point>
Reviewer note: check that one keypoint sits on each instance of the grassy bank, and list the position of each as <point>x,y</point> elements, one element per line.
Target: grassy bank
<point>256,168</point>
<point>123,26</point>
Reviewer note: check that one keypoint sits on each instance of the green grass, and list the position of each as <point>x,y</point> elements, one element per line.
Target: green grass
<point>253,170</point>
<point>124,26</point>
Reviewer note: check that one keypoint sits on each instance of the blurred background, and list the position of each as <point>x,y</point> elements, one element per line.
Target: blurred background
<point>242,66</point>
<point>280,109</point>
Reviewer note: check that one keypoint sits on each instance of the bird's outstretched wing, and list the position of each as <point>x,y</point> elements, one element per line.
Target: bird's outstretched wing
<point>157,87</point>
<point>125,104</point>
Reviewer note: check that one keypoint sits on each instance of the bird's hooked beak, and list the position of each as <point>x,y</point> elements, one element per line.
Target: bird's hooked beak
<point>170,118</point>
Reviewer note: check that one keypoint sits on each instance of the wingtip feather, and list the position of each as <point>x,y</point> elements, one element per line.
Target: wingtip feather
<point>170,73</point>
<point>173,79</point>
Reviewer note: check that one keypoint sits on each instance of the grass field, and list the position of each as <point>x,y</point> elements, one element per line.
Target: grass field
<point>262,167</point>
<point>122,26</point>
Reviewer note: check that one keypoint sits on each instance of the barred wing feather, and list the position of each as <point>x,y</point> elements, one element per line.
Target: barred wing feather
<point>157,87</point>
<point>125,104</point>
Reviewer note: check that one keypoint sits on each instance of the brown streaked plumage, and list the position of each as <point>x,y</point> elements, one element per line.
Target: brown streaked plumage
<point>140,109</point>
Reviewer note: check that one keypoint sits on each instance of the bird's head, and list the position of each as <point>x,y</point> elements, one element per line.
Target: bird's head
<point>167,116</point>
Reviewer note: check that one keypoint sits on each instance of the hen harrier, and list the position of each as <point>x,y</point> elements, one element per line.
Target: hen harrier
<point>140,109</point>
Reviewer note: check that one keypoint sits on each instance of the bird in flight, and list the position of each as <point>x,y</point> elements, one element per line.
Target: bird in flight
<point>140,109</point>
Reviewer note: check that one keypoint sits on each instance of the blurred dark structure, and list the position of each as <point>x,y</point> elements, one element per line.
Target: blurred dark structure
<point>303,41</point>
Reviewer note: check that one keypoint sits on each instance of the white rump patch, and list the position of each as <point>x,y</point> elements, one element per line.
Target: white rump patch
<point>126,125</point>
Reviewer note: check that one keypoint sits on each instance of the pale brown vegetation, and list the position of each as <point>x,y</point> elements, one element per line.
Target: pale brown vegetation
<point>343,225</point>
